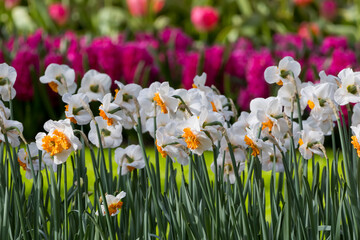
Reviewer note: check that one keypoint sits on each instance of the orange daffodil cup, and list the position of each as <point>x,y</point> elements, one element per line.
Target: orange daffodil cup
<point>59,141</point>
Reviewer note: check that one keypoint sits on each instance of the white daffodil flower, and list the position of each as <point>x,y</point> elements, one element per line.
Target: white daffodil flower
<point>329,79</point>
<point>111,136</point>
<point>13,130</point>
<point>317,97</point>
<point>309,143</point>
<point>349,91</point>
<point>287,97</point>
<point>355,138</point>
<point>4,110</point>
<point>74,110</point>
<point>279,74</point>
<point>269,113</point>
<point>24,160</point>
<point>129,159</point>
<point>60,78</point>
<point>169,144</point>
<point>126,94</point>
<point>227,166</point>
<point>59,142</point>
<point>114,204</point>
<point>158,98</point>
<point>7,80</point>
<point>161,120</point>
<point>271,156</point>
<point>199,83</point>
<point>194,99</point>
<point>194,136</point>
<point>109,111</point>
<point>95,85</point>
<point>218,103</point>
<point>211,122</point>
<point>355,119</point>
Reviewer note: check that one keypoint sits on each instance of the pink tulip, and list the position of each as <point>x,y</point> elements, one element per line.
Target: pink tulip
<point>139,8</point>
<point>204,18</point>
<point>328,9</point>
<point>59,13</point>
<point>9,4</point>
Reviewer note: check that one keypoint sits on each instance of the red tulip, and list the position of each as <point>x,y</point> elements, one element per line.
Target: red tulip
<point>204,18</point>
<point>59,13</point>
<point>139,8</point>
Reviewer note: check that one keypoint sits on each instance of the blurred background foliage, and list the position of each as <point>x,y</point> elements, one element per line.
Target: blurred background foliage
<point>258,20</point>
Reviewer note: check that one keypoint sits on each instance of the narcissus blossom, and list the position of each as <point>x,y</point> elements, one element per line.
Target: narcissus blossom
<point>278,74</point>
<point>309,143</point>
<point>60,78</point>
<point>114,204</point>
<point>95,85</point>
<point>349,91</point>
<point>74,110</point>
<point>111,136</point>
<point>7,81</point>
<point>24,160</point>
<point>129,159</point>
<point>59,142</point>
<point>13,130</point>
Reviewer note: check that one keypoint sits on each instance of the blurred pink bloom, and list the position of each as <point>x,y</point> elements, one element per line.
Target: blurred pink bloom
<point>176,37</point>
<point>9,4</point>
<point>256,85</point>
<point>53,58</point>
<point>341,59</point>
<point>25,62</point>
<point>333,42</point>
<point>212,64</point>
<point>308,30</point>
<point>204,18</point>
<point>314,66</point>
<point>244,43</point>
<point>139,8</point>
<point>237,62</point>
<point>104,55</point>
<point>136,58</point>
<point>59,13</point>
<point>302,3</point>
<point>328,9</point>
<point>189,62</point>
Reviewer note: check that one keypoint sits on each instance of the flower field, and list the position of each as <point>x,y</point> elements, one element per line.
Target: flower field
<point>155,119</point>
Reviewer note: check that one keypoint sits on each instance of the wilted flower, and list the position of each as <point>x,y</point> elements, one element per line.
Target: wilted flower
<point>59,142</point>
<point>204,18</point>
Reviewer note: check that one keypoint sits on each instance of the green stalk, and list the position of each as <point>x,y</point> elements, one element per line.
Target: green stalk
<point>16,190</point>
<point>65,204</point>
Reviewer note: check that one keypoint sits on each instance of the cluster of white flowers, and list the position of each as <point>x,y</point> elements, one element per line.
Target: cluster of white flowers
<point>186,122</point>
